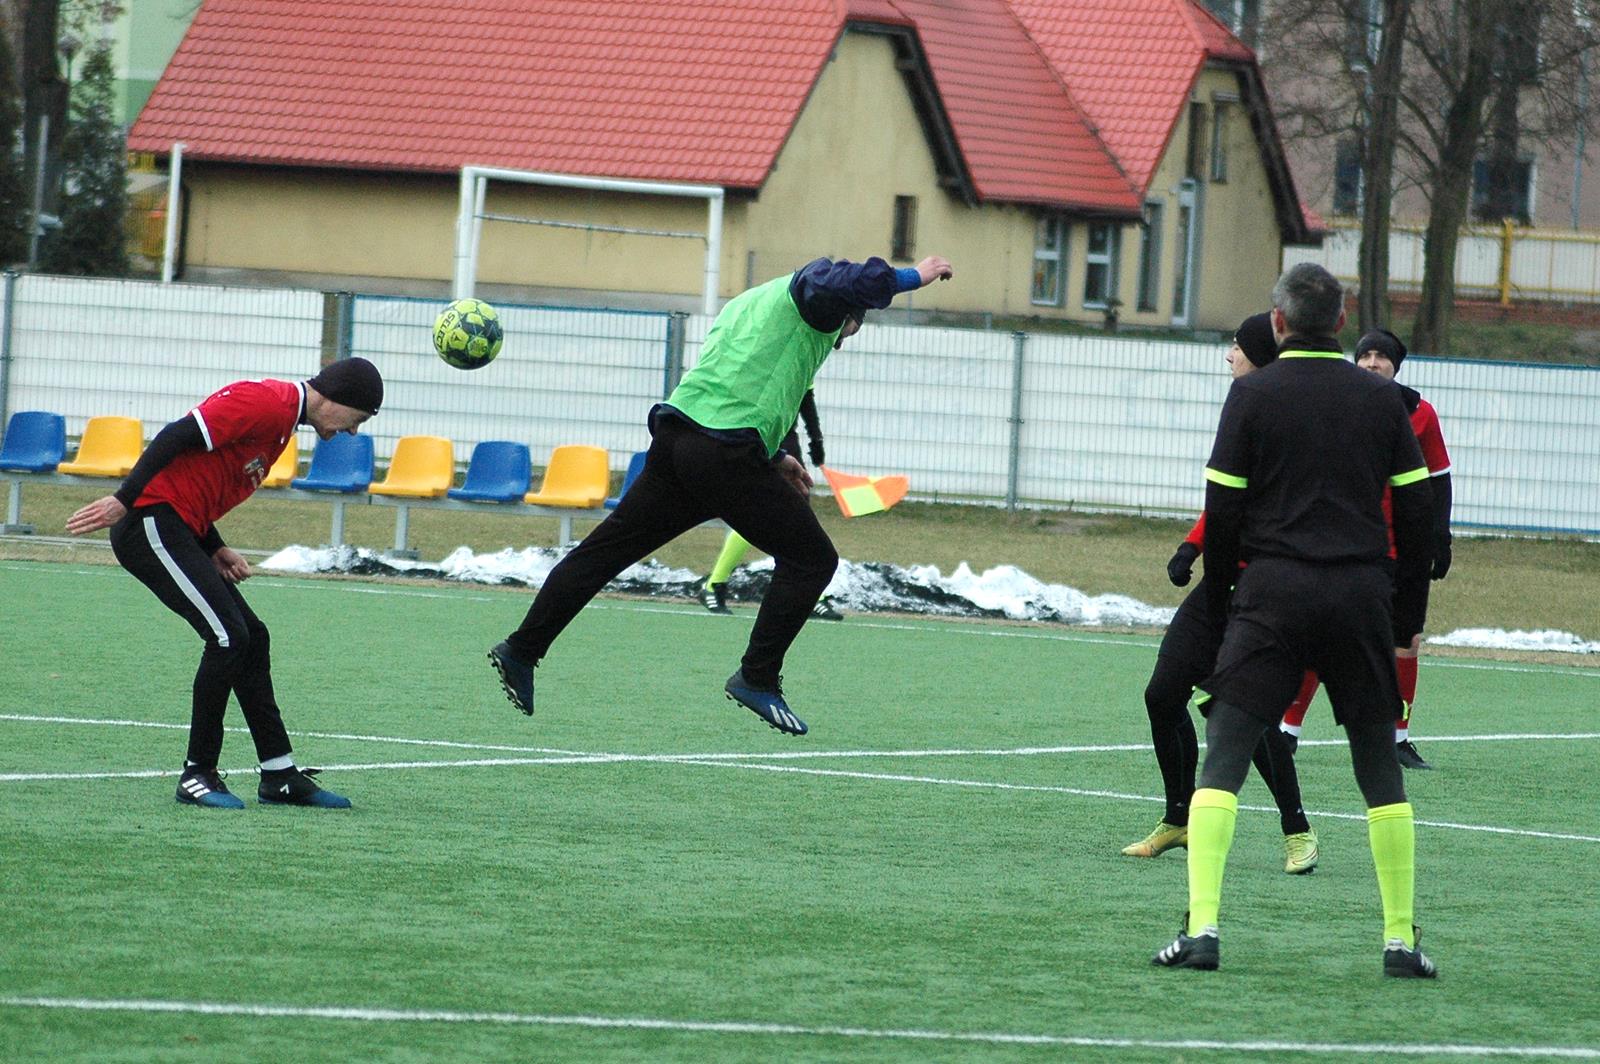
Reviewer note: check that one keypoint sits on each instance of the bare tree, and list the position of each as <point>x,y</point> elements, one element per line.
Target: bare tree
<point>1431,87</point>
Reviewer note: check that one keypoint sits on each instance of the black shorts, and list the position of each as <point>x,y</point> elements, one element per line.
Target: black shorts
<point>1290,616</point>
<point>1189,647</point>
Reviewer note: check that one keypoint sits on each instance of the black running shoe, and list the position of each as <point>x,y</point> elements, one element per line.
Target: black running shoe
<point>204,787</point>
<point>1406,752</point>
<point>516,676</point>
<point>1197,951</point>
<point>1402,963</point>
<point>714,597</point>
<point>765,702</point>
<point>294,786</point>
<point>824,611</point>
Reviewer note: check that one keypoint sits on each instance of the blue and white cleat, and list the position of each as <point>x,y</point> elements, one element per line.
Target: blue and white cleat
<point>204,787</point>
<point>294,786</point>
<point>766,703</point>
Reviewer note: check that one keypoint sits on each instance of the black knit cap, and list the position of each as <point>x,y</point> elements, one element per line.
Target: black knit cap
<point>1385,343</point>
<point>1255,338</point>
<point>352,382</point>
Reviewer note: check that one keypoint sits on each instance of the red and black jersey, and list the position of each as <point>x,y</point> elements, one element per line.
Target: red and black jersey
<point>246,426</point>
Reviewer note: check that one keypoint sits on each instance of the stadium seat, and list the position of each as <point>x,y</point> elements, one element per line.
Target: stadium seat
<point>635,467</point>
<point>498,472</point>
<point>287,465</point>
<point>109,448</point>
<point>35,442</point>
<point>342,464</point>
<point>422,468</point>
<point>577,477</point>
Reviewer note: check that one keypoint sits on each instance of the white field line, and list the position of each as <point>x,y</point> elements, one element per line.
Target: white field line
<point>735,1027</point>
<point>743,761</point>
<point>955,627</point>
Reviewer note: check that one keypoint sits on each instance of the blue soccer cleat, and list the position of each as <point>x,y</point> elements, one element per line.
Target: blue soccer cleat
<point>294,786</point>
<point>766,703</point>
<point>516,676</point>
<point>204,787</point>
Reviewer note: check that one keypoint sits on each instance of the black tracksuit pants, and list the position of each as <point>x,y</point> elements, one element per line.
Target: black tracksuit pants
<point>1188,654</point>
<point>689,478</point>
<point>165,555</point>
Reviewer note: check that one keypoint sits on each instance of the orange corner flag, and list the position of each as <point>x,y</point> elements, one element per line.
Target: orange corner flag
<point>865,495</point>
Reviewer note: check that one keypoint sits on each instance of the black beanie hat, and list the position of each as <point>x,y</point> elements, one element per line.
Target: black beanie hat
<point>1385,343</point>
<point>1255,338</point>
<point>352,382</point>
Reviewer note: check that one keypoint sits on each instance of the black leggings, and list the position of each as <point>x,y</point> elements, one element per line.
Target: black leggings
<point>165,555</point>
<point>688,478</point>
<point>1232,735</point>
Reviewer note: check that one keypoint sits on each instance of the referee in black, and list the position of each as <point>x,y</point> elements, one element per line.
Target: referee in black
<point>1304,451</point>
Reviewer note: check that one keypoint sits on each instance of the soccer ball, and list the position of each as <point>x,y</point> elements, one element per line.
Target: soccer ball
<point>467,334</point>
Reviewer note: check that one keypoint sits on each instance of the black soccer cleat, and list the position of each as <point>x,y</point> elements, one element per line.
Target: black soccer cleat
<point>1400,962</point>
<point>765,702</point>
<point>714,597</point>
<point>294,786</point>
<point>1190,951</point>
<point>1406,753</point>
<point>516,676</point>
<point>824,611</point>
<point>204,787</point>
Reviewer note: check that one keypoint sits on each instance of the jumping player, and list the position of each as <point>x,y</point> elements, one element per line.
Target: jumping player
<point>714,452</point>
<point>1381,352</point>
<point>1319,592</point>
<point>163,531</point>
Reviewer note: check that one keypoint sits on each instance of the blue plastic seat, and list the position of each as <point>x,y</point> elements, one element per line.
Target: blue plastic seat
<point>36,442</point>
<point>499,471</point>
<point>635,467</point>
<point>342,464</point>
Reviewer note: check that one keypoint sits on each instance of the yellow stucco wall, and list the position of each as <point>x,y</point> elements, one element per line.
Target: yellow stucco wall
<point>856,145</point>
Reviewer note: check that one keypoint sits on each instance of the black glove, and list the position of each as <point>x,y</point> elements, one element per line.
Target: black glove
<point>815,447</point>
<point>1441,559</point>
<point>1181,567</point>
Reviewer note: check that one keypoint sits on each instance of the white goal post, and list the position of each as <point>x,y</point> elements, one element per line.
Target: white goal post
<point>470,217</point>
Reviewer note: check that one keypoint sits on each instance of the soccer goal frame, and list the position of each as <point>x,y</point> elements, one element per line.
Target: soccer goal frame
<point>470,217</point>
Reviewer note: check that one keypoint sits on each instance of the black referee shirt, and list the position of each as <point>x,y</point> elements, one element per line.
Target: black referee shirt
<point>1304,450</point>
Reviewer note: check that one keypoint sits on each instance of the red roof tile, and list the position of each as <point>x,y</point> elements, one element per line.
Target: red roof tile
<point>678,90</point>
<point>1129,64</point>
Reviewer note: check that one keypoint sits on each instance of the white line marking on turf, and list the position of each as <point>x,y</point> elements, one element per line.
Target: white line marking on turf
<point>648,1023</point>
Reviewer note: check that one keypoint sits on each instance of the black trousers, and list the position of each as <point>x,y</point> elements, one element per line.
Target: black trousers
<point>1187,655</point>
<point>689,478</point>
<point>165,555</point>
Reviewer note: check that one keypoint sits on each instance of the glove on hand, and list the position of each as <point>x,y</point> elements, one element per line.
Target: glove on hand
<point>1181,567</point>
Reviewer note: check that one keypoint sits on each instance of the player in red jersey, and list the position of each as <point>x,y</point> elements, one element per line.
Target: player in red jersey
<point>163,531</point>
<point>1381,352</point>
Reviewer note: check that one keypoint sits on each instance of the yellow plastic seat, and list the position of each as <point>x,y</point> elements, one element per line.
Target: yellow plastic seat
<point>109,448</point>
<point>577,477</point>
<point>286,468</point>
<point>423,467</point>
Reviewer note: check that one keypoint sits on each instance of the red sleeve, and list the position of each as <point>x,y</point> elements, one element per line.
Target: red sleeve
<point>1425,423</point>
<point>1197,534</point>
<point>239,411</point>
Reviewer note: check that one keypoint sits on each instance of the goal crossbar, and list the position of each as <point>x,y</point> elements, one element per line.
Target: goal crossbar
<point>470,217</point>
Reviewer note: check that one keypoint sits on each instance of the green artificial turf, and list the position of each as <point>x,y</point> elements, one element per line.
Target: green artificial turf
<point>645,872</point>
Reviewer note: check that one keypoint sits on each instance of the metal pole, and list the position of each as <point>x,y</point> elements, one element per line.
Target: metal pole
<point>713,253</point>
<point>7,316</point>
<point>344,327</point>
<point>672,364</point>
<point>38,189</point>
<point>169,251</point>
<point>1019,342</point>
<point>461,281</point>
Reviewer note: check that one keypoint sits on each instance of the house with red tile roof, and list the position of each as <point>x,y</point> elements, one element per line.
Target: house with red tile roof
<point>1073,157</point>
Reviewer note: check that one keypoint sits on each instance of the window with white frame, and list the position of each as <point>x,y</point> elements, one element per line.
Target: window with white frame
<point>1221,113</point>
<point>1049,260</point>
<point>1100,270</point>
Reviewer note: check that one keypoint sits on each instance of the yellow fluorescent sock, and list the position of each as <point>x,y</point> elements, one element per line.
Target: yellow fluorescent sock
<point>733,551</point>
<point>1392,834</point>
<point>1211,816</point>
